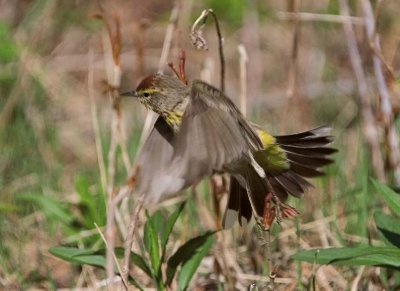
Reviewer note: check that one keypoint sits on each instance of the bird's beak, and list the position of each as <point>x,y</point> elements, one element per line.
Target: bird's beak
<point>129,94</point>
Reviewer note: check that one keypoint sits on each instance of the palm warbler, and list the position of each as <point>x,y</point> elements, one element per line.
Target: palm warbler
<point>200,131</point>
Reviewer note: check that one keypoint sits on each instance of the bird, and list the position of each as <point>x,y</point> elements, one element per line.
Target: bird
<point>200,132</point>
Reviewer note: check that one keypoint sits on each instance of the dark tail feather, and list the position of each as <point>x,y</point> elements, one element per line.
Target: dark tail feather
<point>316,132</point>
<point>306,152</point>
<point>238,207</point>
<point>322,151</point>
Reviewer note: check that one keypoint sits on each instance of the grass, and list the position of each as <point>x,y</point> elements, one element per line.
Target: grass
<point>51,192</point>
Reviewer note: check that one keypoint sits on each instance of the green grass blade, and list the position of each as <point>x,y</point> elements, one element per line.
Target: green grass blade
<point>391,198</point>
<point>51,207</point>
<point>369,256</point>
<point>170,225</point>
<point>89,257</point>
<point>136,259</point>
<point>389,226</point>
<point>151,244</point>
<point>190,266</point>
<point>189,254</point>
<point>87,201</point>
<point>68,253</point>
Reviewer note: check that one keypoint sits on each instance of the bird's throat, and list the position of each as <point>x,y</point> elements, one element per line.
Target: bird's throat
<point>174,119</point>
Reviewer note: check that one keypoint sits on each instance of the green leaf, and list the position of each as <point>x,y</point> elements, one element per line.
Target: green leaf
<point>52,208</point>
<point>170,225</point>
<point>158,220</point>
<point>91,202</point>
<point>389,226</point>
<point>391,198</point>
<point>367,255</point>
<point>81,256</point>
<point>151,245</point>
<point>189,255</point>
<point>92,257</point>
<point>68,253</point>
<point>93,260</point>
<point>190,266</point>
<point>8,47</point>
<point>8,207</point>
<point>135,259</point>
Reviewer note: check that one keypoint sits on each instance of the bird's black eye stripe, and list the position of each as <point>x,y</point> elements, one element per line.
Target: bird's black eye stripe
<point>145,94</point>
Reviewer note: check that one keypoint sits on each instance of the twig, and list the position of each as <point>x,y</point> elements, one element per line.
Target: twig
<point>199,42</point>
<point>243,78</point>
<point>384,95</point>
<point>322,229</point>
<point>174,70</point>
<point>168,37</point>
<point>180,73</point>
<point>112,47</point>
<point>129,238</point>
<point>269,215</point>
<point>95,123</point>
<point>253,277</point>
<point>111,156</point>
<point>271,275</point>
<point>113,256</point>
<point>304,16</point>
<point>182,62</point>
<point>139,35</point>
<point>369,128</point>
<point>356,281</point>
<point>38,124</point>
<point>292,75</point>
<point>109,239</point>
<point>13,98</point>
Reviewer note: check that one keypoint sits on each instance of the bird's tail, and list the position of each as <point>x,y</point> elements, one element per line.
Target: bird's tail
<point>305,153</point>
<point>287,161</point>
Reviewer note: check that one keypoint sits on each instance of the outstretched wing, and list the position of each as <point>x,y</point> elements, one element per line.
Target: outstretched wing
<point>213,133</point>
<point>156,174</point>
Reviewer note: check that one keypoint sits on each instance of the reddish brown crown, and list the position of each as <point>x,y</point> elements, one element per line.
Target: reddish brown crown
<point>146,83</point>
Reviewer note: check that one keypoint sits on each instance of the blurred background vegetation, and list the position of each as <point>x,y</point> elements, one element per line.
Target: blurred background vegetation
<point>299,76</point>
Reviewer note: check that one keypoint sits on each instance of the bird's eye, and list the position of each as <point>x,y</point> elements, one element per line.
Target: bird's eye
<point>146,94</point>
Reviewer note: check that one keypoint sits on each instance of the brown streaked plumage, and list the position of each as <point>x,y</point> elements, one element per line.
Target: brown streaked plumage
<point>200,131</point>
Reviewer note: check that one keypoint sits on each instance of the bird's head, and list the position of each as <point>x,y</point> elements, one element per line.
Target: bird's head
<point>160,93</point>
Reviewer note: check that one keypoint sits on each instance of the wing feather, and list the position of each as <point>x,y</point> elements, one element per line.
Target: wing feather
<point>155,177</point>
<point>212,135</point>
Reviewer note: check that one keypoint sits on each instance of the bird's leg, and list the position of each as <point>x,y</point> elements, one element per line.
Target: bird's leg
<point>269,213</point>
<point>283,210</point>
<point>276,200</point>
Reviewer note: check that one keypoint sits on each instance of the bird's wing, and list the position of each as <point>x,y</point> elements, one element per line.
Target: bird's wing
<point>213,133</point>
<point>156,177</point>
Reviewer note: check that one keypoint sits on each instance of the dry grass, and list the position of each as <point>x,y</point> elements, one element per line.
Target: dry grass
<point>299,75</point>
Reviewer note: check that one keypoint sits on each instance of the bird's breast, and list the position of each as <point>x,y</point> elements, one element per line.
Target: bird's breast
<point>174,119</point>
